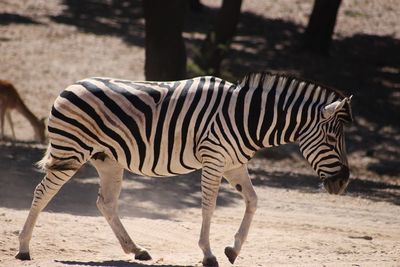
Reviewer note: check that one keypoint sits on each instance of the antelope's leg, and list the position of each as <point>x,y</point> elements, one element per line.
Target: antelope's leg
<point>2,118</point>
<point>111,173</point>
<point>239,178</point>
<point>43,193</point>
<point>10,122</point>
<point>210,182</point>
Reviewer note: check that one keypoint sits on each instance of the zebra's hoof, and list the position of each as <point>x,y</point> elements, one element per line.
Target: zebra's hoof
<point>231,254</point>
<point>143,256</point>
<point>210,262</point>
<point>23,256</point>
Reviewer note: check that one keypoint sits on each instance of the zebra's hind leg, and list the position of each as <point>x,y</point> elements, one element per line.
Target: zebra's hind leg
<point>111,173</point>
<point>43,193</point>
<point>239,178</point>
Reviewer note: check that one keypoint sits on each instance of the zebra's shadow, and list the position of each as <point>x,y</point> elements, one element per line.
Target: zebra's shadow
<point>163,195</point>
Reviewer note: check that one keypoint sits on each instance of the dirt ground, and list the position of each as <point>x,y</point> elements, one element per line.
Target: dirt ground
<point>46,45</point>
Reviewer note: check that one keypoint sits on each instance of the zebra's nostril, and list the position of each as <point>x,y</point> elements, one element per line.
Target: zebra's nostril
<point>334,186</point>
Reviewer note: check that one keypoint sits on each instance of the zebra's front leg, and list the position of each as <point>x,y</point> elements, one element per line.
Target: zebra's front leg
<point>239,178</point>
<point>210,182</point>
<point>111,174</point>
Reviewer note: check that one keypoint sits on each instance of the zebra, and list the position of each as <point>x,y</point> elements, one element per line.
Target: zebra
<point>171,128</point>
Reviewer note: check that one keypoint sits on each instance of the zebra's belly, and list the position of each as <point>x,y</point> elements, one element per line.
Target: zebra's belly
<point>161,162</point>
<point>165,170</point>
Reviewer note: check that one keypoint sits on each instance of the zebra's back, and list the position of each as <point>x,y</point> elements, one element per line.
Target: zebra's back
<point>151,128</point>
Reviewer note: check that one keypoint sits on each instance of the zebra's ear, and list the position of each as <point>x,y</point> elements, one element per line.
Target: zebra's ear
<point>349,99</point>
<point>329,110</point>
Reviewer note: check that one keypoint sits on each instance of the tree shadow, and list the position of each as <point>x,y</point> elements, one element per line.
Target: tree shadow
<point>163,195</point>
<point>122,18</point>
<point>116,263</point>
<point>358,187</point>
<point>10,18</point>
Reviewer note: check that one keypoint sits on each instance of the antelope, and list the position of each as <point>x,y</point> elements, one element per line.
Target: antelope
<point>10,100</point>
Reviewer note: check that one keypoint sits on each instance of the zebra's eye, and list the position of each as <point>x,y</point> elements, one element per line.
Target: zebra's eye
<point>331,139</point>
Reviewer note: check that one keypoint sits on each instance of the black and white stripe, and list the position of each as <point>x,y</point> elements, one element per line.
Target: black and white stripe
<point>156,129</point>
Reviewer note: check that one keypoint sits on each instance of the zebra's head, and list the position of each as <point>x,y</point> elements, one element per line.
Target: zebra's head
<point>324,145</point>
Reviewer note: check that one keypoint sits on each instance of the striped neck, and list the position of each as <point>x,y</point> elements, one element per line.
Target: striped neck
<point>278,108</point>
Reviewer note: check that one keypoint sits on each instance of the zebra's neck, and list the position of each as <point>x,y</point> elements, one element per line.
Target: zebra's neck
<point>275,109</point>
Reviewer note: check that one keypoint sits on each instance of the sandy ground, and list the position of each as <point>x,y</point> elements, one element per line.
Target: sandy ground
<point>292,227</point>
<point>296,223</point>
<point>44,48</point>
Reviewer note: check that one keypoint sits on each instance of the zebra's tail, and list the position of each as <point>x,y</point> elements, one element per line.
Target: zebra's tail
<point>42,164</point>
<point>49,162</point>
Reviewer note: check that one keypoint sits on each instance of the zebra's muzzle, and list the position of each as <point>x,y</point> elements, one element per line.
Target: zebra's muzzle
<point>337,183</point>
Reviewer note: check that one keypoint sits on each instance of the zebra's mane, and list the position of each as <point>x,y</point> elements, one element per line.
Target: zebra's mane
<point>246,81</point>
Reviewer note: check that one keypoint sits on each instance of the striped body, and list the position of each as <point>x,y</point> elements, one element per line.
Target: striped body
<point>159,128</point>
<point>147,127</point>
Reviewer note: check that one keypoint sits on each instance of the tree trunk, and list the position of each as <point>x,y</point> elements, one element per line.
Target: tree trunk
<point>217,41</point>
<point>165,49</point>
<point>318,35</point>
<point>196,5</point>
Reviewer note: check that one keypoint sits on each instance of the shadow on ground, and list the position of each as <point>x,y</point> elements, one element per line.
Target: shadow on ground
<point>116,18</point>
<point>10,18</point>
<point>79,195</point>
<point>358,187</point>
